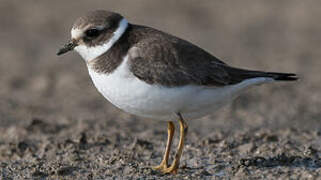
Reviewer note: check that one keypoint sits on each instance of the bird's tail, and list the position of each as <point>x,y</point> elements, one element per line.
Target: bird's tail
<point>241,74</point>
<point>282,76</point>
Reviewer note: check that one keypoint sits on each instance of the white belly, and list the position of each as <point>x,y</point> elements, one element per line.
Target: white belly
<point>134,96</point>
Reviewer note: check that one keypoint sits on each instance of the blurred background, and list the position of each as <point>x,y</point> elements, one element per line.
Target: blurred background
<point>54,123</point>
<point>281,36</point>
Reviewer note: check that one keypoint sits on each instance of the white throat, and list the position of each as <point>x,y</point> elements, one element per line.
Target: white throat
<point>90,53</point>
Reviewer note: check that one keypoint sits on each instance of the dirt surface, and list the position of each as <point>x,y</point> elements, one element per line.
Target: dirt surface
<point>55,125</point>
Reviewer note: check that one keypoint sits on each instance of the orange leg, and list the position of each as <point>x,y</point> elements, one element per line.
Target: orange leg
<point>170,131</point>
<point>183,131</point>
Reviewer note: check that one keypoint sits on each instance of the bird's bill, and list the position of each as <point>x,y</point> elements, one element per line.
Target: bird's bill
<point>67,47</point>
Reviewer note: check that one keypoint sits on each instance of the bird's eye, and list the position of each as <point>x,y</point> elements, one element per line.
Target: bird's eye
<point>92,33</point>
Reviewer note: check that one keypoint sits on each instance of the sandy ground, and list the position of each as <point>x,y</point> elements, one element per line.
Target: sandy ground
<point>55,125</point>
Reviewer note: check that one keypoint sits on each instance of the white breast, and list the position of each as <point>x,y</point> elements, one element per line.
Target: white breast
<point>132,95</point>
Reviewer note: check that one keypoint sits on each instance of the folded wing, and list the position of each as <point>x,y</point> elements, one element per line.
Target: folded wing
<point>174,62</point>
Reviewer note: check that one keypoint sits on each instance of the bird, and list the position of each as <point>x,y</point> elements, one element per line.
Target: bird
<point>150,73</point>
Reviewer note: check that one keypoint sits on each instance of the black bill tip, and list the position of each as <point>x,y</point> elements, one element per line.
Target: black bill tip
<point>66,48</point>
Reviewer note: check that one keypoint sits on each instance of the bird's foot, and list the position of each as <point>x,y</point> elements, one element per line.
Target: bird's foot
<point>172,169</point>
<point>163,165</point>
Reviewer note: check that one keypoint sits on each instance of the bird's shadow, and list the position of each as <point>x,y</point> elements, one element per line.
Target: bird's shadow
<point>282,160</point>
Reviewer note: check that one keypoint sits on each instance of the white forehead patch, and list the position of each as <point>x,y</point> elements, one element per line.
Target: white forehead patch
<point>76,33</point>
<point>90,53</point>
